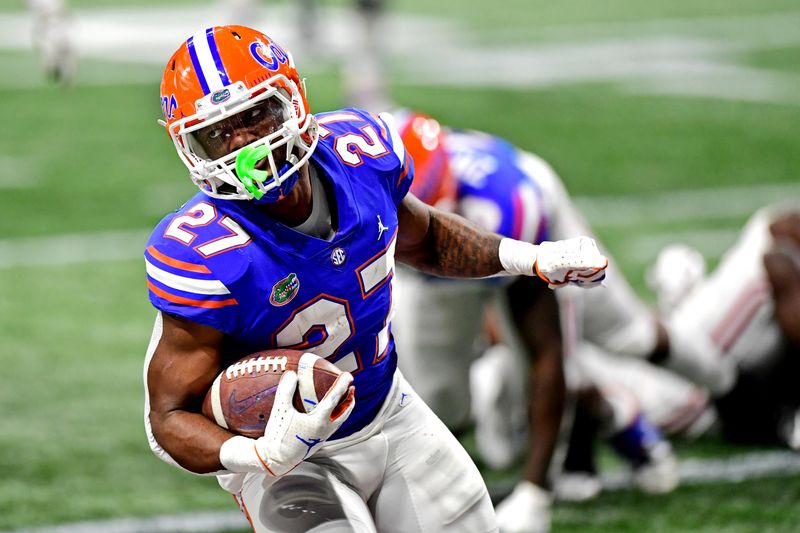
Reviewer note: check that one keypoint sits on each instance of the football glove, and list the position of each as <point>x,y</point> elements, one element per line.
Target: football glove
<point>526,510</point>
<point>290,436</point>
<point>576,261</point>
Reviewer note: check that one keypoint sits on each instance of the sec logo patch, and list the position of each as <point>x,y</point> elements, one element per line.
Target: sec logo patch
<point>338,257</point>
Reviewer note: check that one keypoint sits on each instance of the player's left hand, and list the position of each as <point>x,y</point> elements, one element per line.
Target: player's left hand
<point>291,436</point>
<point>526,510</point>
<point>575,261</point>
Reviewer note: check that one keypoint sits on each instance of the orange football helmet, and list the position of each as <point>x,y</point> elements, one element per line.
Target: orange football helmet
<point>425,139</point>
<point>227,79</point>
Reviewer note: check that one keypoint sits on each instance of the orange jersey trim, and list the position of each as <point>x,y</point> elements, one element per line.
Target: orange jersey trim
<point>208,304</point>
<point>405,171</point>
<point>190,267</point>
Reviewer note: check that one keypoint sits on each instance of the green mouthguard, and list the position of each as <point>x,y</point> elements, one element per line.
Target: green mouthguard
<point>245,168</point>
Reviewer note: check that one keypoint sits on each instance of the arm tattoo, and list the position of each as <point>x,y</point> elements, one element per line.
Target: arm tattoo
<point>456,248</point>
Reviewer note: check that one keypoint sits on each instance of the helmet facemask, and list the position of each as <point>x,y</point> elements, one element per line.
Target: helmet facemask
<point>265,118</point>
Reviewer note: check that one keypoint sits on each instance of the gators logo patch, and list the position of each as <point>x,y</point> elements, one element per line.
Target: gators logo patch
<point>220,96</point>
<point>285,290</point>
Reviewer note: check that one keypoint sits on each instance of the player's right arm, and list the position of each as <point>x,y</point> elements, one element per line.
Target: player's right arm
<point>444,244</point>
<point>185,362</point>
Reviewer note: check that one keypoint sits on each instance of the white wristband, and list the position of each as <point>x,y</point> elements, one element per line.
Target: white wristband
<point>238,454</point>
<point>518,257</point>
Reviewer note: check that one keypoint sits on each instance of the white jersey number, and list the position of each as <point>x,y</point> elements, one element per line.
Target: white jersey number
<point>204,214</point>
<point>352,146</point>
<point>324,324</point>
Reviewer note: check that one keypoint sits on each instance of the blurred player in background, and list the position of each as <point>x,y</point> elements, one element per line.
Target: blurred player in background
<point>516,194</point>
<point>321,200</point>
<point>745,314</point>
<point>362,69</point>
<point>748,313</point>
<point>51,38</point>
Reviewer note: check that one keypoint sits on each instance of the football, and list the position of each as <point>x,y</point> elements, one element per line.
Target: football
<point>241,397</point>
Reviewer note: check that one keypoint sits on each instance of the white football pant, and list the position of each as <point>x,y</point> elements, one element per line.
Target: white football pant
<point>671,402</point>
<point>404,472</point>
<point>726,320</point>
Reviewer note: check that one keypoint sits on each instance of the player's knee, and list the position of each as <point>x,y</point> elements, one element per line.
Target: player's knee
<point>303,502</point>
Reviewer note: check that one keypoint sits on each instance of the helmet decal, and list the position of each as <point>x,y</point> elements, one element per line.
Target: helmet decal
<point>221,96</point>
<point>206,61</point>
<point>168,106</point>
<point>272,57</point>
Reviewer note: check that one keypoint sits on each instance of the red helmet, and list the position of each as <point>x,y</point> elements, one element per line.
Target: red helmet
<point>229,76</point>
<point>425,139</point>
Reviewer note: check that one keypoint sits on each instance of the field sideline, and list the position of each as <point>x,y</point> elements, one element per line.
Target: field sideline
<point>736,469</point>
<point>668,122</point>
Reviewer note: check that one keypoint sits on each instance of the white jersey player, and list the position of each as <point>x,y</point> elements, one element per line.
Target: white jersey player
<point>733,313</point>
<point>362,63</point>
<point>51,38</point>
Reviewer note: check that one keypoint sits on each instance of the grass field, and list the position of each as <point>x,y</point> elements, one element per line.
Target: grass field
<point>89,160</point>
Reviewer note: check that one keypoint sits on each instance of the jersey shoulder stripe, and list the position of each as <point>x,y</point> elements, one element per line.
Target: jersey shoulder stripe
<point>176,263</point>
<point>181,300</point>
<point>404,173</point>
<point>184,283</point>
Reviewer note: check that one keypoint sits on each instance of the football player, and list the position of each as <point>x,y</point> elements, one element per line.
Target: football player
<point>514,193</point>
<point>320,200</point>
<point>752,326</point>
<point>362,64</point>
<point>51,39</point>
<point>744,314</point>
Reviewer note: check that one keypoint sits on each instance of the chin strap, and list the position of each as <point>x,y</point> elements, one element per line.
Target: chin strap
<point>250,177</point>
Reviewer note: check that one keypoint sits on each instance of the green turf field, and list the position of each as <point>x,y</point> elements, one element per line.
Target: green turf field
<point>90,161</point>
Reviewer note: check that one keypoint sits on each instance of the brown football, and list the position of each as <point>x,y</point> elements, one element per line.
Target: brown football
<point>241,397</point>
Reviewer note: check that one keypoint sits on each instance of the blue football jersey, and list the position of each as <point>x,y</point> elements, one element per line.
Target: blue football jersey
<point>226,264</point>
<point>494,191</point>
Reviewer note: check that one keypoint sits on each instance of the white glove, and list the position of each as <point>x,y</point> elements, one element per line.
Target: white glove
<point>526,510</point>
<point>576,261</point>
<point>290,436</point>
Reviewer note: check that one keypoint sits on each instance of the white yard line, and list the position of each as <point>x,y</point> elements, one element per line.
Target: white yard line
<point>73,248</point>
<point>626,212</point>
<point>202,522</point>
<point>684,205</point>
<point>642,249</point>
<point>18,173</point>
<point>699,57</point>
<point>732,469</point>
<point>742,467</point>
